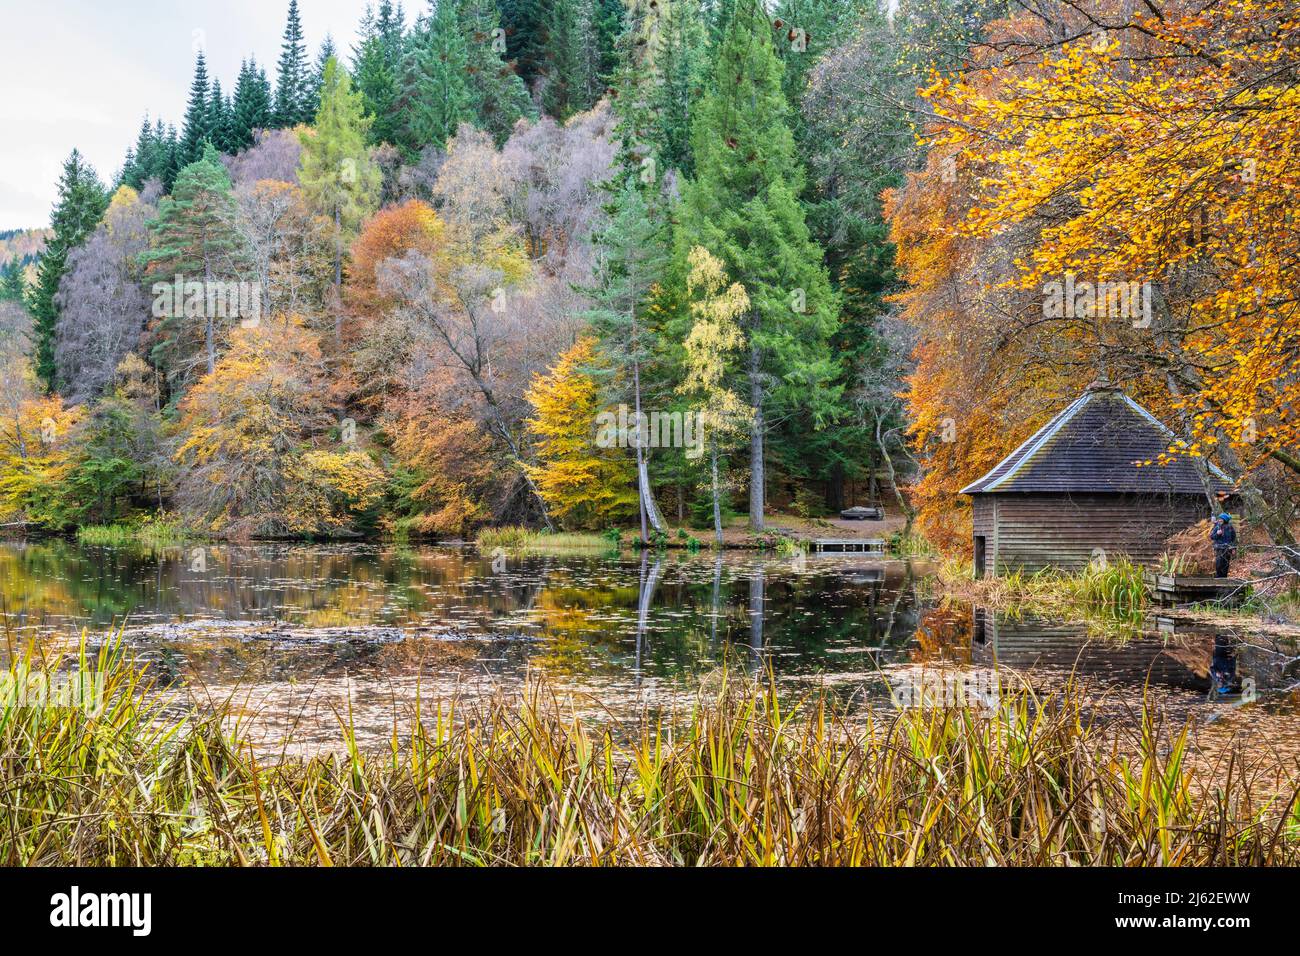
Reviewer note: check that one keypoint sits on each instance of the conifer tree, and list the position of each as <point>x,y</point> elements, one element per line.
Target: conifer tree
<point>743,208</point>
<point>220,131</point>
<point>251,108</point>
<point>335,168</point>
<point>13,285</point>
<point>633,254</point>
<point>196,128</point>
<point>498,97</point>
<point>682,66</point>
<point>78,209</point>
<point>377,62</point>
<point>326,53</point>
<point>293,77</point>
<point>194,236</point>
<point>434,97</point>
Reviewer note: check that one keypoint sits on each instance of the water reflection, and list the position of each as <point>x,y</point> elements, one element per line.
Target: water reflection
<point>296,634</point>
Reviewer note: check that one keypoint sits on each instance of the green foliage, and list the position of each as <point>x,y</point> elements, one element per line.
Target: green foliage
<point>197,128</point>
<point>252,107</point>
<point>335,169</point>
<point>77,211</point>
<point>435,85</point>
<point>193,236</point>
<point>743,208</point>
<point>293,82</point>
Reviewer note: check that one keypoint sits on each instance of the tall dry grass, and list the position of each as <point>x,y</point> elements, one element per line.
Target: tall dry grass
<point>748,779</point>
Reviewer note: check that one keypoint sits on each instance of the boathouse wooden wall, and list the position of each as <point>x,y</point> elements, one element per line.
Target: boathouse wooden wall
<point>1038,530</point>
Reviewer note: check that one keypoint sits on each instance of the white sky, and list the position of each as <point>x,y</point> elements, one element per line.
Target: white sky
<point>82,73</point>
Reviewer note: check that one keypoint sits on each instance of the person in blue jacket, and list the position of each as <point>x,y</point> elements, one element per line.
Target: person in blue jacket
<point>1223,536</point>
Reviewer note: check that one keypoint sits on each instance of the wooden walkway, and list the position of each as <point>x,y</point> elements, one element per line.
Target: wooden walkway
<point>855,545</point>
<point>1192,588</point>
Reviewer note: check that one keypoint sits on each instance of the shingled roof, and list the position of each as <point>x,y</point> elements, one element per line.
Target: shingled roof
<point>1095,445</point>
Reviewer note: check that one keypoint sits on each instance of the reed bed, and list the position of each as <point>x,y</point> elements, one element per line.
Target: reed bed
<point>155,531</point>
<point>513,538</point>
<point>746,779</point>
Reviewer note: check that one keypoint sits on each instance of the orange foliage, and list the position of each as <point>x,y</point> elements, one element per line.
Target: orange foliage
<point>389,233</point>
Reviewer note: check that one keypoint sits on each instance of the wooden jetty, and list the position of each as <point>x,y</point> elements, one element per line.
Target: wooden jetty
<point>1192,588</point>
<point>846,545</point>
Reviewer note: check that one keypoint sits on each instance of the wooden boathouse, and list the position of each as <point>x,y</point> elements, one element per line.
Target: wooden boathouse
<point>1080,487</point>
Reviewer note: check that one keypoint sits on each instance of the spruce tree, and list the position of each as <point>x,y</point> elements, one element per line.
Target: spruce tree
<point>78,209</point>
<point>743,208</point>
<point>561,65</point>
<point>435,97</point>
<point>169,157</point>
<point>196,129</point>
<point>682,64</point>
<point>13,285</point>
<point>220,131</point>
<point>139,157</point>
<point>377,63</point>
<point>293,78</point>
<point>526,28</point>
<point>498,97</point>
<point>251,109</point>
<point>326,53</point>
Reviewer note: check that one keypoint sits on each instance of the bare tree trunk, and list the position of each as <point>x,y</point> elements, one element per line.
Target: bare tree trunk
<point>909,513</point>
<point>338,278</point>
<point>649,509</point>
<point>756,429</point>
<point>717,498</point>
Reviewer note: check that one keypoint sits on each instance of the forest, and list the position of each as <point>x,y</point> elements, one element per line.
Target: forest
<point>590,264</point>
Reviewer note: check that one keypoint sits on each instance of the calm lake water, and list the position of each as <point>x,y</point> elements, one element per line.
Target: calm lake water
<point>296,635</point>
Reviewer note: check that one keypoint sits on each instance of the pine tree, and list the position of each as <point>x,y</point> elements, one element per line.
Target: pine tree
<point>196,129</point>
<point>743,208</point>
<point>78,209</point>
<point>194,236</point>
<point>292,82</point>
<point>335,168</point>
<point>435,97</point>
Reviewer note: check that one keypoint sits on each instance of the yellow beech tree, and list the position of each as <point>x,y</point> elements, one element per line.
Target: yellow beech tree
<point>582,483</point>
<point>1110,189</point>
<point>257,453</point>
